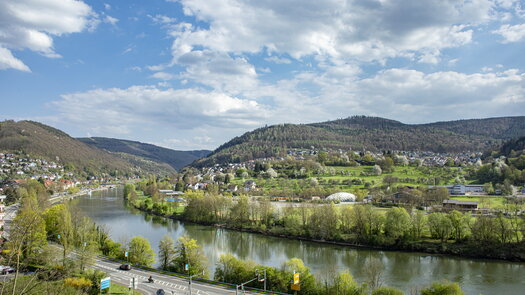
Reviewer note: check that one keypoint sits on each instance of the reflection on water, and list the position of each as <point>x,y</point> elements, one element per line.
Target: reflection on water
<point>402,270</point>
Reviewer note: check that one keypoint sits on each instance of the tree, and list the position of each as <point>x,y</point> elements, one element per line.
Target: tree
<point>140,251</point>
<point>189,252</point>
<point>418,221</point>
<point>442,288</point>
<point>27,235</point>
<point>440,226</point>
<point>397,223</point>
<point>387,291</point>
<point>344,284</point>
<point>460,224</point>
<point>166,251</point>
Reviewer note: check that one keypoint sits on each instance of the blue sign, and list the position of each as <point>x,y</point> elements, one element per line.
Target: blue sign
<point>105,283</point>
<point>187,267</point>
<point>126,254</point>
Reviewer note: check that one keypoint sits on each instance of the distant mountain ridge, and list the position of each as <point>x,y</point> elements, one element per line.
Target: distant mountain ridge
<point>37,139</point>
<point>368,133</point>
<point>174,158</point>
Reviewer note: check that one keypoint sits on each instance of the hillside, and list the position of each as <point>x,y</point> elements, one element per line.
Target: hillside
<point>369,133</point>
<point>40,140</point>
<point>176,159</point>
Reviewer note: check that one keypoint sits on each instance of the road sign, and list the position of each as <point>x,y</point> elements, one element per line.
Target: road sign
<point>59,237</point>
<point>126,253</point>
<point>295,287</point>
<point>186,267</point>
<point>105,283</point>
<point>296,278</point>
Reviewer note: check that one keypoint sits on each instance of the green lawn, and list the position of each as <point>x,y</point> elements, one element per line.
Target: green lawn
<point>485,202</point>
<point>116,289</point>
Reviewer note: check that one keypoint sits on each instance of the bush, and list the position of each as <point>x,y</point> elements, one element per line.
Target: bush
<point>387,291</point>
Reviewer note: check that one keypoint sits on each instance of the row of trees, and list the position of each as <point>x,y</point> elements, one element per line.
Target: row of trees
<point>357,224</point>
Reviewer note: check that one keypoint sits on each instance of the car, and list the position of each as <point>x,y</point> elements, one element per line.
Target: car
<point>125,267</point>
<point>6,269</point>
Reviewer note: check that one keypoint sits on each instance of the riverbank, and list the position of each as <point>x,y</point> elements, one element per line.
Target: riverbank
<point>467,249</point>
<point>60,197</point>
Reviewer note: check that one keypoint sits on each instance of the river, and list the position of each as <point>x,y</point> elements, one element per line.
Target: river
<point>405,271</point>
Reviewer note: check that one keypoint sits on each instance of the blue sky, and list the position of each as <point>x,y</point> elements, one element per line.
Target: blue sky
<point>192,74</point>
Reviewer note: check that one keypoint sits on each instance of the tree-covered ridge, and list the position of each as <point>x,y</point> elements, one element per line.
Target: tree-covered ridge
<point>368,133</point>
<point>174,158</point>
<point>39,140</point>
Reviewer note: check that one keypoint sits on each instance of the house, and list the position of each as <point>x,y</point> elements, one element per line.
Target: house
<point>249,185</point>
<point>460,205</point>
<point>232,188</point>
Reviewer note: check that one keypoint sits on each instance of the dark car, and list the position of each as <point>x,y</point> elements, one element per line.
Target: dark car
<point>125,267</point>
<point>7,269</point>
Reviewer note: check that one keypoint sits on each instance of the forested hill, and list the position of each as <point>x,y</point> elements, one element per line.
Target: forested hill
<point>369,133</point>
<point>174,158</point>
<point>43,141</point>
<point>512,148</point>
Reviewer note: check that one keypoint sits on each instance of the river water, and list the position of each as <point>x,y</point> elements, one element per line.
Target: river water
<point>406,271</point>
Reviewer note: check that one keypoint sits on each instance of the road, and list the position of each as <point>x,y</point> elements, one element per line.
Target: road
<point>10,214</point>
<point>170,284</point>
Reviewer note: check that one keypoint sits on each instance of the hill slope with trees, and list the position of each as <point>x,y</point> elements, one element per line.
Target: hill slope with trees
<point>174,158</point>
<point>368,133</point>
<point>39,140</point>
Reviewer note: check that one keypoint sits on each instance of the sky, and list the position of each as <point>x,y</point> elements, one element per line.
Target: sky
<point>192,74</point>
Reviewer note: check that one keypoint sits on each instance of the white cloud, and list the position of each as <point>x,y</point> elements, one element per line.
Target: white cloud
<point>183,108</point>
<point>29,24</point>
<point>110,20</point>
<point>107,6</point>
<point>510,33</point>
<point>361,30</point>
<point>163,76</point>
<point>278,60</point>
<point>8,61</point>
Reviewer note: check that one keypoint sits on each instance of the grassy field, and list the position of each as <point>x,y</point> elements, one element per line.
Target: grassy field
<point>352,178</point>
<point>485,202</point>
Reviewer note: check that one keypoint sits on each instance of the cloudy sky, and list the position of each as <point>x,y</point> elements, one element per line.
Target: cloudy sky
<point>192,74</point>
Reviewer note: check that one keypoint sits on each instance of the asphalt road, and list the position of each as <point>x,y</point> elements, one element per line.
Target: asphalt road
<point>170,284</point>
<point>10,214</point>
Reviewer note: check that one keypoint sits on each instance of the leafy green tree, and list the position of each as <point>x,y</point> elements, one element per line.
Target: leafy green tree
<point>307,280</point>
<point>323,222</point>
<point>344,284</point>
<point>166,251</point>
<point>397,223</point>
<point>387,291</point>
<point>140,251</point>
<point>440,226</point>
<point>484,230</point>
<point>460,224</point>
<point>418,223</point>
<point>191,253</point>
<point>443,288</point>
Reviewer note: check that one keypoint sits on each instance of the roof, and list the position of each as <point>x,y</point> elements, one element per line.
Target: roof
<point>342,197</point>
<point>457,202</point>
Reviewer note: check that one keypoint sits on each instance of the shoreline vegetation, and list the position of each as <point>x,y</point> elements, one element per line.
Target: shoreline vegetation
<point>39,229</point>
<point>358,226</point>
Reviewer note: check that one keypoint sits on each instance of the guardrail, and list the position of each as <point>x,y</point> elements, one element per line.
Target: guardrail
<point>192,278</point>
